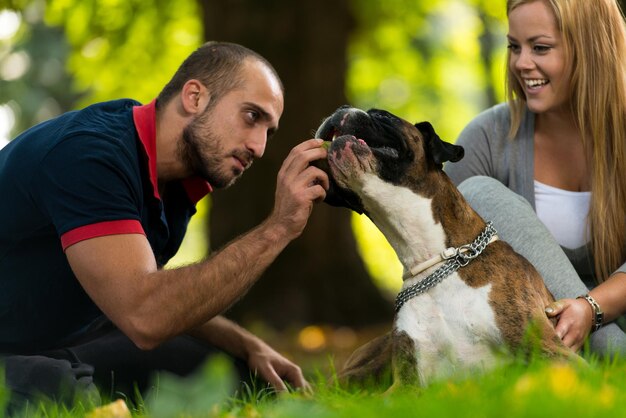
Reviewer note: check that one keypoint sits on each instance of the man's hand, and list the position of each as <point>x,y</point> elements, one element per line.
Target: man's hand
<point>261,358</point>
<point>298,186</point>
<point>274,368</point>
<point>573,321</point>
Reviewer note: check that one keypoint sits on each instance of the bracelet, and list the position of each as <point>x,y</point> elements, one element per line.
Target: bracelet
<point>597,316</point>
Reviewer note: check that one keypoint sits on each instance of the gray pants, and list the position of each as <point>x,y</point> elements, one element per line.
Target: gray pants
<point>517,224</point>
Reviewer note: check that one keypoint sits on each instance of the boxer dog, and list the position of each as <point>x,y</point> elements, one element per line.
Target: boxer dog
<point>467,297</point>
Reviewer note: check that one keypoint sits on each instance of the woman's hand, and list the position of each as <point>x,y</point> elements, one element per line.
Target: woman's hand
<point>573,321</point>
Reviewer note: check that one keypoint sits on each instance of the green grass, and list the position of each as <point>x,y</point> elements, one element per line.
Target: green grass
<point>537,389</point>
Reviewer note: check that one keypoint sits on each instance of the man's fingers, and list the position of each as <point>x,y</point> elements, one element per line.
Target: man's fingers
<point>274,379</point>
<point>296,378</point>
<point>303,154</point>
<point>314,176</point>
<point>314,183</point>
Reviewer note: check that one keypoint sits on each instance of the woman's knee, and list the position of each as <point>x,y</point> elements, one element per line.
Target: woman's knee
<point>483,191</point>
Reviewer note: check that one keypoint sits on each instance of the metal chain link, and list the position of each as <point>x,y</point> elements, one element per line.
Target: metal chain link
<point>462,256</point>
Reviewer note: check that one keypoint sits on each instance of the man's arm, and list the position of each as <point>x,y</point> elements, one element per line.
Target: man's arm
<point>119,272</point>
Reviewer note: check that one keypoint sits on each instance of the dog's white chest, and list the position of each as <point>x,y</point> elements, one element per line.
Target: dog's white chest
<point>453,328</point>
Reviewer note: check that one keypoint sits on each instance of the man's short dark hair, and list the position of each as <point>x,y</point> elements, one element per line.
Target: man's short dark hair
<point>217,65</point>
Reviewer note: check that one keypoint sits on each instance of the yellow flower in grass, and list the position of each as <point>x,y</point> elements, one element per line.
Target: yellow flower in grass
<point>117,409</point>
<point>526,384</point>
<point>606,396</point>
<point>251,412</point>
<point>452,389</point>
<point>563,380</point>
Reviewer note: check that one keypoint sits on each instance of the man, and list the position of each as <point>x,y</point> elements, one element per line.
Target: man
<point>96,201</point>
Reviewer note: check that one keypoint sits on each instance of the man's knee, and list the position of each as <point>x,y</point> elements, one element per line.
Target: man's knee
<point>33,378</point>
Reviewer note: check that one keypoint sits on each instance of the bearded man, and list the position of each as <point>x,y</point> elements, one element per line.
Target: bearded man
<point>96,201</point>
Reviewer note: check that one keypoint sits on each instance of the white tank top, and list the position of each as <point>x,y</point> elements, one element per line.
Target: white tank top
<point>564,213</point>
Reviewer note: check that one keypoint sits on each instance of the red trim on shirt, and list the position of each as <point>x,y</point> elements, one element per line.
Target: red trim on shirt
<point>126,226</point>
<point>196,188</point>
<point>145,123</point>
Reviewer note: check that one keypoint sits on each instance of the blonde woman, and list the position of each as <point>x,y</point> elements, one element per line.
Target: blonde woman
<point>560,144</point>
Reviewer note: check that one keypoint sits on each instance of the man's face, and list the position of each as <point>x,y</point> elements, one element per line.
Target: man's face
<point>222,142</point>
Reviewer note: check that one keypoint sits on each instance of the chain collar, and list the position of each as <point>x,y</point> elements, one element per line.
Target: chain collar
<point>459,257</point>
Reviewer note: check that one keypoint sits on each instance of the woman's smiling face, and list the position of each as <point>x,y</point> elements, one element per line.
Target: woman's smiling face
<point>537,57</point>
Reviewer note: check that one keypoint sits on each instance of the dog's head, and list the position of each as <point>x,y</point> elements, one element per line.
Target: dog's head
<point>379,143</point>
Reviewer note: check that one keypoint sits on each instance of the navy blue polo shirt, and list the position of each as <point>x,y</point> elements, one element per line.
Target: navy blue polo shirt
<point>84,174</point>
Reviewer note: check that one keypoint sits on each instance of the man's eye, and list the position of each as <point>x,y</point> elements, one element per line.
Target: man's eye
<point>252,116</point>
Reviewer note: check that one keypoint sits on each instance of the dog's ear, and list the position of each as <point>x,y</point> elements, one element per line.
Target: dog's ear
<point>440,151</point>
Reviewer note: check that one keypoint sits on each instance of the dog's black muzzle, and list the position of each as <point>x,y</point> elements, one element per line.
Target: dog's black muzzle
<point>379,129</point>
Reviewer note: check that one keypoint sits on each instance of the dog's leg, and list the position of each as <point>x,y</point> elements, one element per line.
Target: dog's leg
<point>403,362</point>
<point>369,364</point>
<point>551,345</point>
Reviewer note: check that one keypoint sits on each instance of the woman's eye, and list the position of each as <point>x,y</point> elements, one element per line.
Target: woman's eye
<point>513,47</point>
<point>541,49</point>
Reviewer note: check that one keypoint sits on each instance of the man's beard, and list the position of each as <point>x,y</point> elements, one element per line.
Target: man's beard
<point>202,151</point>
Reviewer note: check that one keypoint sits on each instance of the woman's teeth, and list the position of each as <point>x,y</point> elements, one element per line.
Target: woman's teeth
<point>536,83</point>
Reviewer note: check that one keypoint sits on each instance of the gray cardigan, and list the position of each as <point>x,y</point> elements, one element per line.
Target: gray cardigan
<point>489,152</point>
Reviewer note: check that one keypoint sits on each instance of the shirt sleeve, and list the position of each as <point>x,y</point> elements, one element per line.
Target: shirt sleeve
<point>90,186</point>
<point>479,158</point>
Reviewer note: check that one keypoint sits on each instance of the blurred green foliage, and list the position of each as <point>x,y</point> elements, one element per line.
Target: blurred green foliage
<point>538,388</point>
<point>198,395</point>
<point>126,48</point>
<point>34,83</point>
<point>422,60</point>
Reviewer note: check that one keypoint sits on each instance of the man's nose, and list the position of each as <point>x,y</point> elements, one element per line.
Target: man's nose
<point>256,144</point>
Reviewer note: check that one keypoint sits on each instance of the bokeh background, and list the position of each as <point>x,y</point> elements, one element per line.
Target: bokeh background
<point>435,60</point>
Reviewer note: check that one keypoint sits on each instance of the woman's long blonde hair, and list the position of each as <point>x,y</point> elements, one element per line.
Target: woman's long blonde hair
<point>594,36</point>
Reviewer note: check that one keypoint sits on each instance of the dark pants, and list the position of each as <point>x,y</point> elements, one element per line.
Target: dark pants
<point>110,365</point>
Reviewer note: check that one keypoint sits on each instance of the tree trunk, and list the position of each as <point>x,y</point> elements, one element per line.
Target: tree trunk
<point>319,278</point>
<point>488,41</point>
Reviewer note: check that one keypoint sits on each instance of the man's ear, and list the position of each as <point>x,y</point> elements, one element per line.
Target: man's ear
<point>194,97</point>
<point>440,151</point>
